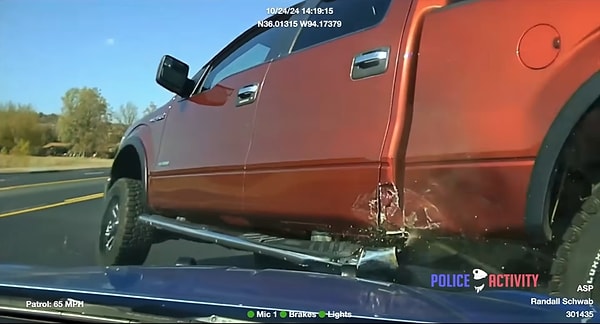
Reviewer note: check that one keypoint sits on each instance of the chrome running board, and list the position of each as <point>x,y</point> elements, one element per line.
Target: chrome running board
<point>364,259</point>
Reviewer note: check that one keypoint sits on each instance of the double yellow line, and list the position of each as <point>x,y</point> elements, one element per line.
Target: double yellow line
<point>58,204</point>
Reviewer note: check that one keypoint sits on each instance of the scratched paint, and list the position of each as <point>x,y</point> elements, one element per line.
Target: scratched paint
<point>407,220</point>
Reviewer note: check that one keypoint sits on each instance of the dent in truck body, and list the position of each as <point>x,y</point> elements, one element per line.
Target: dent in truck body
<point>417,211</point>
<point>391,217</point>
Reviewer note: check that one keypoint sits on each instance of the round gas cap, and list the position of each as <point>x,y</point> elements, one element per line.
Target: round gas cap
<point>539,46</point>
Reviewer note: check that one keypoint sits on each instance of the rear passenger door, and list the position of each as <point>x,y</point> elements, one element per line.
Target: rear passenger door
<point>323,112</point>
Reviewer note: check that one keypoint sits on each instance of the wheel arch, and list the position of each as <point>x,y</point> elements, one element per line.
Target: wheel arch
<point>537,222</point>
<point>131,162</point>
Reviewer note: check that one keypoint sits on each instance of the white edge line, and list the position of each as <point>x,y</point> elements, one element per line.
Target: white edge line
<point>94,173</point>
<point>172,300</point>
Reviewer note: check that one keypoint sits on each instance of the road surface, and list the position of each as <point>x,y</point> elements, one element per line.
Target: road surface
<point>52,219</point>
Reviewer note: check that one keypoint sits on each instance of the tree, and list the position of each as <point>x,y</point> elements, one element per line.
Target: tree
<point>150,109</point>
<point>126,114</point>
<point>48,134</point>
<point>19,126</point>
<point>84,121</point>
<point>21,148</point>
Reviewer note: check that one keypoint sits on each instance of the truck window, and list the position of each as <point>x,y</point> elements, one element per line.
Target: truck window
<point>354,15</point>
<point>239,61</point>
<point>254,51</point>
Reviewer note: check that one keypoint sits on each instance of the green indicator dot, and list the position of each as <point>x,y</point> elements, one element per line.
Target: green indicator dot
<point>250,314</point>
<point>283,314</point>
<point>322,314</point>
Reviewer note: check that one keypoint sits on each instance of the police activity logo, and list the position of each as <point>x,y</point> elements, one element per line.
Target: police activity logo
<point>479,279</point>
<point>479,275</point>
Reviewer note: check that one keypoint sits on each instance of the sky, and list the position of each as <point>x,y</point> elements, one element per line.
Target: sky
<point>50,46</point>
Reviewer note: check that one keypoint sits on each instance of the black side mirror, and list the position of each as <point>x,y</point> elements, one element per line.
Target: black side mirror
<point>172,75</point>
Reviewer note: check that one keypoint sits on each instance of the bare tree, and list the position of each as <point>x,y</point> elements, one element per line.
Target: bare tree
<point>127,114</point>
<point>150,109</point>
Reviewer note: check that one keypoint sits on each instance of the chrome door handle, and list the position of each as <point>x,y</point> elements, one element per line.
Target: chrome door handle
<point>248,91</point>
<point>247,94</point>
<point>372,57</point>
<point>370,63</point>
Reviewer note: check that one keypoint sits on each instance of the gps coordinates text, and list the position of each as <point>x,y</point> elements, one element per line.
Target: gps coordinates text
<point>299,23</point>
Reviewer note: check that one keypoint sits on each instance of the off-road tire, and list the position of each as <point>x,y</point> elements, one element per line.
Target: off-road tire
<point>132,239</point>
<point>579,254</point>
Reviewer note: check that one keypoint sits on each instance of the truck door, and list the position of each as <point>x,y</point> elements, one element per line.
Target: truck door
<point>206,139</point>
<point>324,110</point>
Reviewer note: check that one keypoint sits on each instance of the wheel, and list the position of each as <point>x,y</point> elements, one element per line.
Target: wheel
<point>122,239</point>
<point>577,261</point>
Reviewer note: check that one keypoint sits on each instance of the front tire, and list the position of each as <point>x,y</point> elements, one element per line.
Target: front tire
<point>122,239</point>
<point>577,261</point>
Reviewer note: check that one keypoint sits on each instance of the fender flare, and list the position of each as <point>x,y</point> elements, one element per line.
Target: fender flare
<point>537,223</point>
<point>138,145</point>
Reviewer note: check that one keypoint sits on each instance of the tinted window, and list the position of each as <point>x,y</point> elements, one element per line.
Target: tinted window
<point>253,52</point>
<point>354,15</point>
<point>253,56</point>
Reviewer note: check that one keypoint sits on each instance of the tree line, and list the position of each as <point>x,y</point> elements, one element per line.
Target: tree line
<point>87,125</point>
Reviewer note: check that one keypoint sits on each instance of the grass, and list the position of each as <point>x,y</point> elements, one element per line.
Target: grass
<point>19,163</point>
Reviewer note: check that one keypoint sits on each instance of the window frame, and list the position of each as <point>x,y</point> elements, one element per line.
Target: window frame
<point>288,37</point>
<point>315,4</point>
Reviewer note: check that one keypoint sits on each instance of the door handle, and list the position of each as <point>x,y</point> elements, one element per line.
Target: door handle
<point>370,63</point>
<point>369,58</point>
<point>247,94</point>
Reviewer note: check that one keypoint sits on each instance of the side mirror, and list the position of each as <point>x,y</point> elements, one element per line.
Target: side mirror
<point>172,75</point>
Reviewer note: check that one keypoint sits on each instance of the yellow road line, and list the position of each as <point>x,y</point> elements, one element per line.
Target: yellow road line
<point>51,183</point>
<point>58,204</point>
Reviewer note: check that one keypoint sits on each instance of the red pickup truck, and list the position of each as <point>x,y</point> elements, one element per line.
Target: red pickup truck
<point>378,122</point>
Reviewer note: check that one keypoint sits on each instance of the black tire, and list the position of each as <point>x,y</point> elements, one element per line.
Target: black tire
<point>132,240</point>
<point>577,259</point>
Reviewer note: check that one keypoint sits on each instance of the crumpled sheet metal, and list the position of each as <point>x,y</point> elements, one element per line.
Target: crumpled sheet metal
<point>385,211</point>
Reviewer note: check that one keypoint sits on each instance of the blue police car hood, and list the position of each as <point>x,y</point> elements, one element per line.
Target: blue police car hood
<point>248,289</point>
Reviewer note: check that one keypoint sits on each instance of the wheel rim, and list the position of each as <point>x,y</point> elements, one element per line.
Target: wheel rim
<point>111,226</point>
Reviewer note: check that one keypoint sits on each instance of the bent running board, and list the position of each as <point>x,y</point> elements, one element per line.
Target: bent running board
<point>360,259</point>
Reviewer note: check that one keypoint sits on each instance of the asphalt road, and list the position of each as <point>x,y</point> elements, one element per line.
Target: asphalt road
<point>52,219</point>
